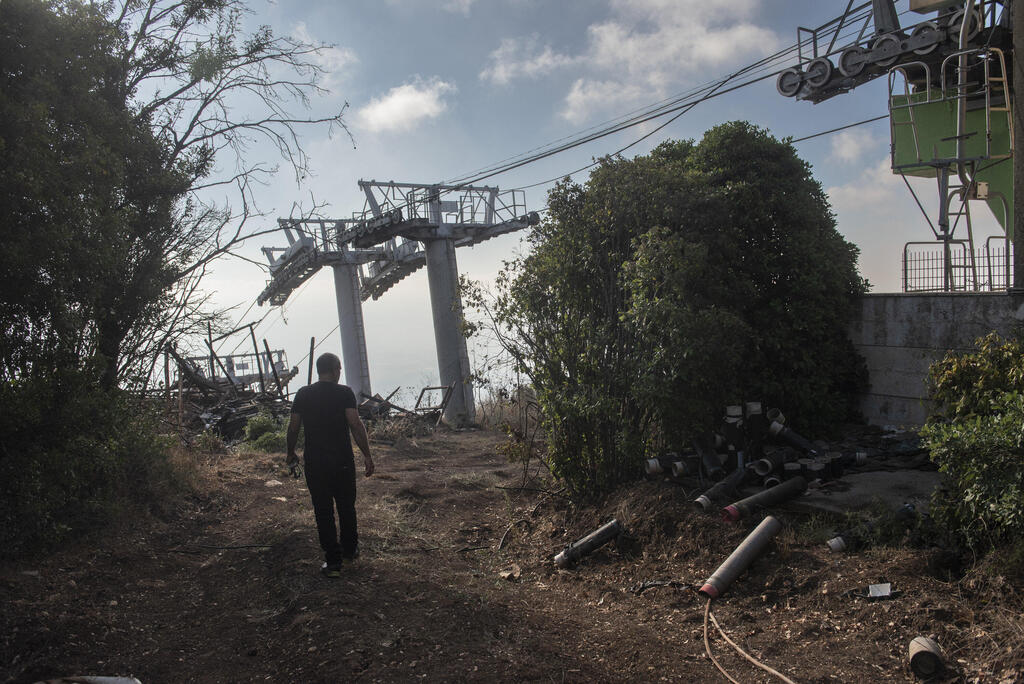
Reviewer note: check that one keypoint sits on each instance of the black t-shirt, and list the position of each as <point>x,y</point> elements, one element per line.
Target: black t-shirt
<point>322,407</point>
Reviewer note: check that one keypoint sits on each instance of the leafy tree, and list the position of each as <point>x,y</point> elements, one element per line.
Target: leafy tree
<point>671,284</point>
<point>119,114</point>
<point>746,275</point>
<point>118,118</point>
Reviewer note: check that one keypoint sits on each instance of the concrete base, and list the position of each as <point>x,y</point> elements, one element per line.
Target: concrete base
<point>857,491</point>
<point>900,335</point>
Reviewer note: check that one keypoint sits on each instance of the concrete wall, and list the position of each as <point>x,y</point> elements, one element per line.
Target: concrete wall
<point>899,335</point>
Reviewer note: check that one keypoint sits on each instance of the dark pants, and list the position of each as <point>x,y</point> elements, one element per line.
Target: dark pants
<point>333,482</point>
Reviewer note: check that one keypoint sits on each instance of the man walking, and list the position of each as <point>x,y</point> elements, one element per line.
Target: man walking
<point>328,411</point>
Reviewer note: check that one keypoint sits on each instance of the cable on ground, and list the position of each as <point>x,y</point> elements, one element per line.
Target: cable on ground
<point>707,647</point>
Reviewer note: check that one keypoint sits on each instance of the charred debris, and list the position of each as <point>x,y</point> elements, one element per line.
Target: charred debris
<point>756,453</point>
<point>220,393</point>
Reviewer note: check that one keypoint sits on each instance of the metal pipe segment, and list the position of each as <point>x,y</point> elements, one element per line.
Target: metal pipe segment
<point>777,494</point>
<point>602,535</point>
<point>740,559</point>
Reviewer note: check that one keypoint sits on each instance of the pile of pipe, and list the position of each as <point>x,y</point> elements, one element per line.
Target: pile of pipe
<point>752,447</point>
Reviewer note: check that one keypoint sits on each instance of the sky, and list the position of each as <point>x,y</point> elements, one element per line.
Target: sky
<point>439,88</point>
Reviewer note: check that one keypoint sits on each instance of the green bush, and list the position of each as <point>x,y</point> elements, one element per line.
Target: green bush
<point>975,383</point>
<point>269,434</point>
<point>70,466</point>
<point>982,457</point>
<point>261,423</point>
<point>976,437</point>
<point>209,442</point>
<point>270,442</point>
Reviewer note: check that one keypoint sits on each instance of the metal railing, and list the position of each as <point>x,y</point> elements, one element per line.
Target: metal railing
<point>926,268</point>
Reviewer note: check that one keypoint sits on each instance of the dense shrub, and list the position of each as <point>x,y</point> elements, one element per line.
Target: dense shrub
<point>976,436</point>
<point>269,434</point>
<point>68,466</point>
<point>271,442</point>
<point>963,385</point>
<point>671,284</point>
<point>260,424</point>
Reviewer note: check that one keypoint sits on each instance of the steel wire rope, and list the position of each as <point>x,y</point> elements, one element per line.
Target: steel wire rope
<point>760,64</point>
<point>834,130</point>
<point>280,309</point>
<point>687,104</point>
<point>652,111</point>
<point>635,121</point>
<point>274,309</point>
<point>317,344</point>
<point>840,128</point>
<point>626,147</point>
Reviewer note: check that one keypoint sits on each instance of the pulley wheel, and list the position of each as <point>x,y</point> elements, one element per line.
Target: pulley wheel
<point>886,49</point>
<point>928,31</point>
<point>818,72</point>
<point>852,61</point>
<point>957,20</point>
<point>788,83</point>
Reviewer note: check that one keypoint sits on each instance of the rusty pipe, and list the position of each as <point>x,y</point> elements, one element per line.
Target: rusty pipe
<point>741,558</point>
<point>780,431</point>
<point>721,491</point>
<point>585,546</point>
<point>777,494</point>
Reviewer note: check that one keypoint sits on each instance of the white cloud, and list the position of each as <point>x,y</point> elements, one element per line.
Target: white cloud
<point>403,107</point>
<point>878,213</point>
<point>644,49</point>
<point>850,145</point>
<point>512,60</point>
<point>588,95</point>
<point>874,193</point>
<point>459,6</point>
<point>333,60</point>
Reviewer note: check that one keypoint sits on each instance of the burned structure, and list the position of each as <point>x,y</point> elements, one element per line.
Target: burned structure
<point>221,392</point>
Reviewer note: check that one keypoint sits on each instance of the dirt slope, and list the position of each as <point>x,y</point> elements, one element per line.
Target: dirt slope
<point>427,600</point>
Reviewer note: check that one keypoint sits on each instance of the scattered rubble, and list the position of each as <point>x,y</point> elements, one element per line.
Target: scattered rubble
<point>389,422</point>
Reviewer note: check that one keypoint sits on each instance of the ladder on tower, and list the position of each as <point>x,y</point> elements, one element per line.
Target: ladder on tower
<point>958,127</point>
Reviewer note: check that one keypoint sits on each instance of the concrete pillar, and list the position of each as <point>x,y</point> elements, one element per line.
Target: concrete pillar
<point>1017,231</point>
<point>446,305</point>
<point>350,326</point>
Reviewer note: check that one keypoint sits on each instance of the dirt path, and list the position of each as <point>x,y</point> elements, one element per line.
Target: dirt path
<point>427,599</point>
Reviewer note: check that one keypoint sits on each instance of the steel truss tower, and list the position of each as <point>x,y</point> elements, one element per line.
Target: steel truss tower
<point>404,226</point>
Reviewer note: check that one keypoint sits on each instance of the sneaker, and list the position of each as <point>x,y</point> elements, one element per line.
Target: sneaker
<point>333,571</point>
